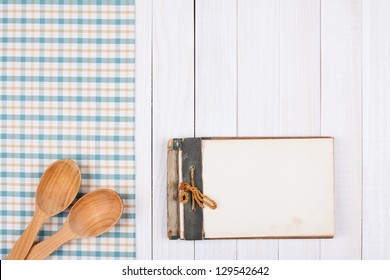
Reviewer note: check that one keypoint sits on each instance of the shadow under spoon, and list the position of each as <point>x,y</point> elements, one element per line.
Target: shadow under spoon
<point>92,215</point>
<point>56,190</point>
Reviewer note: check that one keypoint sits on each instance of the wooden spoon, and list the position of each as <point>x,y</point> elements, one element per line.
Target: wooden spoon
<point>56,190</point>
<point>92,215</point>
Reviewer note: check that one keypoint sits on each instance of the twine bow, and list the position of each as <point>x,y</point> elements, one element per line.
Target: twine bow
<point>197,196</point>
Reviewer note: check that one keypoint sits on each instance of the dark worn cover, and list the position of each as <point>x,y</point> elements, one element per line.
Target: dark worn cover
<point>192,155</point>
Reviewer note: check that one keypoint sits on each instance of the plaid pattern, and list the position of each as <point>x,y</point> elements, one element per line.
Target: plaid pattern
<point>67,91</point>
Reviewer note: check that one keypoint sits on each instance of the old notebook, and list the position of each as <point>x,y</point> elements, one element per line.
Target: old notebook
<point>261,187</point>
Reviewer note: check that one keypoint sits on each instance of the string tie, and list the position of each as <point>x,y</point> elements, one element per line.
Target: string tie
<point>198,197</point>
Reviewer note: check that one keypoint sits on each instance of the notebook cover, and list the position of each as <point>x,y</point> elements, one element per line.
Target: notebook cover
<point>182,153</point>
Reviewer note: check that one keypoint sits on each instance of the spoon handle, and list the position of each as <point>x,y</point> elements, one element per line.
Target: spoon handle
<point>20,250</point>
<point>43,249</point>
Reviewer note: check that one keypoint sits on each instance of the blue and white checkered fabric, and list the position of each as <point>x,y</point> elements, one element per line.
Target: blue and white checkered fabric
<point>67,91</point>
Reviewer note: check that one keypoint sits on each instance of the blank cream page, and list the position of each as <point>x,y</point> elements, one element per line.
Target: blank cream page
<point>269,187</point>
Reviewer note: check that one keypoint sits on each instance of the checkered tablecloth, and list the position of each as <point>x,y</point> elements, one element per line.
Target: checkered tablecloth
<point>67,91</point>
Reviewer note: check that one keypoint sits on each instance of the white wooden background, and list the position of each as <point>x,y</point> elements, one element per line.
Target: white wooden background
<point>261,68</point>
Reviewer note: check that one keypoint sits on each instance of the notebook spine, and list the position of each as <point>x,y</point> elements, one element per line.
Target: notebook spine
<point>173,217</point>
<point>184,220</point>
<point>192,158</point>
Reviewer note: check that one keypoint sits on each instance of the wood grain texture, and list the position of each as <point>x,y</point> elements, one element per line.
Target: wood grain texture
<point>92,215</point>
<point>56,190</point>
<point>24,243</point>
<point>45,248</point>
<point>143,130</point>
<point>173,107</point>
<point>376,130</point>
<point>299,78</point>
<point>216,89</point>
<point>341,117</point>
<point>258,90</point>
<point>274,47</point>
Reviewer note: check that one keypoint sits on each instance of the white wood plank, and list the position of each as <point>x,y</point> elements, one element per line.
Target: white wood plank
<point>216,89</point>
<point>376,129</point>
<point>258,90</point>
<point>299,90</point>
<point>173,107</point>
<point>143,119</point>
<point>341,118</point>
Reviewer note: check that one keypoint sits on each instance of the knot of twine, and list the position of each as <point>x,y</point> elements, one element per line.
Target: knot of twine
<point>197,196</point>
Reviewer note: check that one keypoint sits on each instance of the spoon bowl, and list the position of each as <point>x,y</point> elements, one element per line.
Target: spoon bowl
<point>92,215</point>
<point>56,190</point>
<point>58,187</point>
<point>95,213</point>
